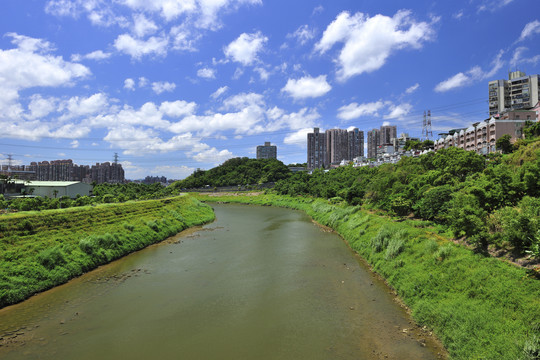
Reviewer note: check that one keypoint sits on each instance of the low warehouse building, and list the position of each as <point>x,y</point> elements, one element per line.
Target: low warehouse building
<point>55,189</point>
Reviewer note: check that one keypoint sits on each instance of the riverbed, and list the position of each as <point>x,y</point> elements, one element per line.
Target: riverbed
<point>258,283</point>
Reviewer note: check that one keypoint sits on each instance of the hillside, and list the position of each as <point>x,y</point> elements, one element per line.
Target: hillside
<point>237,171</point>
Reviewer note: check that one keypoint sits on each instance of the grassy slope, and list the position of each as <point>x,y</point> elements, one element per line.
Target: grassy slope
<point>39,250</point>
<point>480,307</point>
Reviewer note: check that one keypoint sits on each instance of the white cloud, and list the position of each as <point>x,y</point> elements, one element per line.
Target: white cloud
<point>412,89</point>
<point>137,48</point>
<point>307,87</point>
<point>142,26</point>
<point>162,86</point>
<point>398,111</point>
<point>298,138</point>
<point>246,48</point>
<point>74,144</point>
<point>129,84</point>
<point>206,73</point>
<point>530,29</point>
<point>222,90</point>
<point>40,107</point>
<point>355,110</point>
<point>213,156</point>
<point>263,74</point>
<point>178,108</point>
<point>97,55</point>
<point>473,75</point>
<point>183,38</point>
<point>493,5</point>
<point>369,41</point>
<point>27,66</point>
<point>83,106</point>
<point>518,57</point>
<point>143,81</point>
<point>303,34</point>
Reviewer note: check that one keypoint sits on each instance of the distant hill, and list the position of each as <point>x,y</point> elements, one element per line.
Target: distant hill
<point>237,171</point>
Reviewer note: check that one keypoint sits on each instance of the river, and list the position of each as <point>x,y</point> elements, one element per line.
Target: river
<point>258,283</point>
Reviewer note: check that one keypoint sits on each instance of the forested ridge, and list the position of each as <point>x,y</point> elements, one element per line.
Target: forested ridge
<point>236,171</point>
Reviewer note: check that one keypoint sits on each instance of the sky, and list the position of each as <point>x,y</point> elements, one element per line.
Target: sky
<point>171,86</point>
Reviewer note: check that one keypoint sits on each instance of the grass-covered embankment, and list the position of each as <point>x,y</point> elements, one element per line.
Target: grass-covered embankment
<point>39,250</point>
<point>480,307</point>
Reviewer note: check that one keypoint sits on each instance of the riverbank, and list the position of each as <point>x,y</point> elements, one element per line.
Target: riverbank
<point>479,307</point>
<point>42,249</point>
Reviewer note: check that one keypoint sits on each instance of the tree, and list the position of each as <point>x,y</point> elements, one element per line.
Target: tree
<point>504,144</point>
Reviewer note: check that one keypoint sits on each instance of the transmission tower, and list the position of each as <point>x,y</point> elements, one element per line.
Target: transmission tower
<point>10,161</point>
<point>115,158</point>
<point>426,126</point>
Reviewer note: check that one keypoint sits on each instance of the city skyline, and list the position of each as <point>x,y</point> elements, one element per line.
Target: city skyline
<point>176,85</point>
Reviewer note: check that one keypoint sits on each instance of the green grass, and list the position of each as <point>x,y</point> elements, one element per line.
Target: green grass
<point>479,307</point>
<point>39,250</point>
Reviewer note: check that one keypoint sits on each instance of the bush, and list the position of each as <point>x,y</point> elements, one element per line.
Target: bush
<point>52,257</point>
<point>395,246</point>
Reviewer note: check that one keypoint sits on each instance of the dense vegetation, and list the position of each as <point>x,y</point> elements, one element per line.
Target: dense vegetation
<point>479,306</point>
<point>237,171</point>
<point>490,201</point>
<point>39,250</point>
<point>102,193</point>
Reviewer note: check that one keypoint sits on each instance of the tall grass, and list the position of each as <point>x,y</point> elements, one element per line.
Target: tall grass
<point>39,250</point>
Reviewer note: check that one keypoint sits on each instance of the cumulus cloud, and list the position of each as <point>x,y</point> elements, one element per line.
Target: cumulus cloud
<point>473,75</point>
<point>178,108</point>
<point>137,48</point>
<point>374,109</point>
<point>162,86</point>
<point>398,111</point>
<point>31,64</point>
<point>355,110</point>
<point>129,84</point>
<point>143,26</point>
<point>369,41</point>
<point>245,48</point>
<point>307,87</point>
<point>83,106</point>
<point>40,107</point>
<point>298,137</point>
<point>206,73</point>
<point>213,156</point>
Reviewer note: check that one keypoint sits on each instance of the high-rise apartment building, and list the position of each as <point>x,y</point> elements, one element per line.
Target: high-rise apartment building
<point>387,133</point>
<point>373,142</point>
<point>518,92</point>
<point>333,146</point>
<point>380,139</point>
<point>336,145</point>
<point>316,149</point>
<point>267,151</point>
<point>355,144</point>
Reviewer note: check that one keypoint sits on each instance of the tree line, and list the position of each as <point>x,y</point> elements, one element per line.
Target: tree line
<point>490,200</point>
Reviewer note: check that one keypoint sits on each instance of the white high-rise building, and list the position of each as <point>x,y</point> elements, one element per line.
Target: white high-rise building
<point>518,92</point>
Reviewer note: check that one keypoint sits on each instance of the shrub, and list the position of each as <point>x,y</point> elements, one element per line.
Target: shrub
<point>444,252</point>
<point>395,246</point>
<point>87,245</point>
<point>52,257</point>
<point>152,224</point>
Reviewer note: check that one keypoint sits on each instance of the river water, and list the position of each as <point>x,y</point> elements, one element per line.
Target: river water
<point>258,283</point>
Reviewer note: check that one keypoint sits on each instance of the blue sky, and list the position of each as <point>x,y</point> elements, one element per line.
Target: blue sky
<point>175,85</point>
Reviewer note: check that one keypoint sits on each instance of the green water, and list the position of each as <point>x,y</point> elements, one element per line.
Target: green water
<point>259,283</point>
